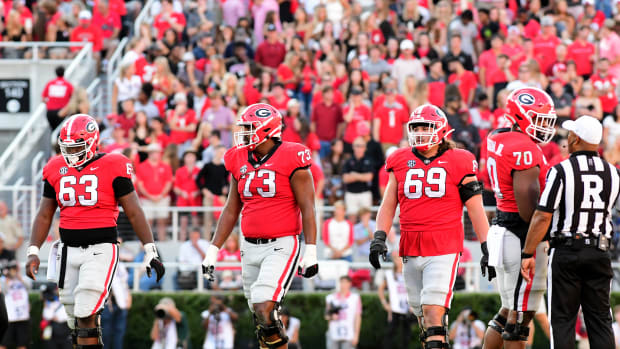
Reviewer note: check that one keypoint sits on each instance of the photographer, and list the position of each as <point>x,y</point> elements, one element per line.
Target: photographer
<point>467,331</point>
<point>17,306</point>
<point>54,323</point>
<point>344,313</point>
<point>292,325</point>
<point>399,315</point>
<point>218,321</point>
<point>170,328</point>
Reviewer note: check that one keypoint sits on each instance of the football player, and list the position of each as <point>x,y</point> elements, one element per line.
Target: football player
<point>88,186</point>
<point>431,181</point>
<point>517,170</point>
<point>272,188</point>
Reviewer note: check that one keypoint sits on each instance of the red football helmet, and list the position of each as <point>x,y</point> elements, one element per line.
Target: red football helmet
<point>430,116</point>
<point>78,139</point>
<point>533,111</point>
<point>258,123</point>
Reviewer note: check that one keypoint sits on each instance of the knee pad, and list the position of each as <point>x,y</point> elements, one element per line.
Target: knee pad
<point>516,332</point>
<point>498,323</point>
<point>271,336</point>
<point>94,332</point>
<point>435,331</point>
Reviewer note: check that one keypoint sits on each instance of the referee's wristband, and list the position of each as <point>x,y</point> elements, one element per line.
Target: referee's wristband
<point>526,255</point>
<point>32,251</point>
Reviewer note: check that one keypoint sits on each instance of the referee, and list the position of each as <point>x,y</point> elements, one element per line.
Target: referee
<point>577,203</point>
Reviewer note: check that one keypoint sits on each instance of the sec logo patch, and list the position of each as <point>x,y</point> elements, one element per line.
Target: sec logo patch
<point>63,170</point>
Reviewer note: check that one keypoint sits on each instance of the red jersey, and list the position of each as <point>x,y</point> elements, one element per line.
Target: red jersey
<point>608,99</point>
<point>87,197</point>
<point>431,210</point>
<point>91,34</point>
<point>154,177</point>
<point>265,189</point>
<point>107,24</point>
<point>162,24</point>
<point>436,92</point>
<point>544,50</point>
<point>392,120</point>
<point>178,136</point>
<point>57,93</point>
<point>466,83</point>
<point>361,113</point>
<point>185,181</point>
<point>581,53</point>
<point>510,151</point>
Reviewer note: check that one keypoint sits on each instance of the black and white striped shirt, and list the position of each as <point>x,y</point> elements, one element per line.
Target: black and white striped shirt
<point>581,191</point>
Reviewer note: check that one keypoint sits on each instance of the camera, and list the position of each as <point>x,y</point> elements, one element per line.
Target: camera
<point>160,313</point>
<point>334,309</point>
<point>48,292</point>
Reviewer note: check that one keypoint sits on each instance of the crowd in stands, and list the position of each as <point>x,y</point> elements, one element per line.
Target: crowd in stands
<point>345,75</point>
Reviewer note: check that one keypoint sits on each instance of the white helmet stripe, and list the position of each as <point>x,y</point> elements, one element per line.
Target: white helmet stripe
<point>70,123</point>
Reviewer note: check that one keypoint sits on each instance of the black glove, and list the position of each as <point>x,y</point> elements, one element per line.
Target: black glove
<point>159,268</point>
<point>484,262</point>
<point>378,247</point>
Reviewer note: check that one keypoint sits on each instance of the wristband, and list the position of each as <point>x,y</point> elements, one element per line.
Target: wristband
<point>381,235</point>
<point>150,247</point>
<point>526,255</point>
<point>32,251</point>
<point>310,251</point>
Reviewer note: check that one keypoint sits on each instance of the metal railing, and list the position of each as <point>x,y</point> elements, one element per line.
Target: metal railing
<point>33,131</point>
<point>36,47</point>
<point>144,16</point>
<point>114,67</point>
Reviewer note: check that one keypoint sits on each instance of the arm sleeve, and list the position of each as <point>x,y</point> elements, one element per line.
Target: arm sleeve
<point>48,190</point>
<point>122,186</point>
<point>551,196</point>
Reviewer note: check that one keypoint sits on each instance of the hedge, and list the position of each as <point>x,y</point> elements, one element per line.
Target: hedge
<point>308,307</point>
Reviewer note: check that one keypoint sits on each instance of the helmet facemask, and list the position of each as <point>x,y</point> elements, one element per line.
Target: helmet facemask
<point>77,153</point>
<point>542,126</point>
<point>423,140</point>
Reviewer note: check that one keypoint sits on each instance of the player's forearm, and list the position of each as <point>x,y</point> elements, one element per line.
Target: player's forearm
<point>309,226</point>
<point>225,225</point>
<point>135,214</point>
<point>536,232</point>
<point>478,217</point>
<point>386,213</point>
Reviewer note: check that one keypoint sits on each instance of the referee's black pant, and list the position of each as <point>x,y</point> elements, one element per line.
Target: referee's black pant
<point>580,277</point>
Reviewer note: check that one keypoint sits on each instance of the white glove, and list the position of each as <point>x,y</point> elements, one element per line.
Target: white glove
<point>208,264</point>
<point>309,266</point>
<point>151,260</point>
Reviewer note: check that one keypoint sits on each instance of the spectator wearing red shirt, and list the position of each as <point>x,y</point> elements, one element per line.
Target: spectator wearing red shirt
<point>288,71</point>
<point>605,86</point>
<point>388,121</point>
<point>187,191</point>
<point>182,122</point>
<point>56,95</point>
<point>230,252</point>
<point>326,120</point>
<point>158,135</point>
<point>278,98</point>
<point>338,235</point>
<point>545,44</point>
<point>487,62</point>
<point>119,141</point>
<point>126,120</point>
<point>110,24</point>
<point>499,78</point>
<point>513,47</point>
<point>271,52</point>
<point>154,182</point>
<point>531,27</point>
<point>464,79</point>
<point>328,81</point>
<point>436,83</point>
<point>168,19</point>
<point>86,32</point>
<point>582,52</point>
<point>354,113</point>
<point>590,12</point>
<point>561,61</point>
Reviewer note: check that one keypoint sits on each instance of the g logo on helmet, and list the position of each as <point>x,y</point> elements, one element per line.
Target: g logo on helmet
<point>263,113</point>
<point>526,99</point>
<point>91,126</point>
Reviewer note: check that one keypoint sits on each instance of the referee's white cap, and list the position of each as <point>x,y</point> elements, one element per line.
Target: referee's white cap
<point>585,127</point>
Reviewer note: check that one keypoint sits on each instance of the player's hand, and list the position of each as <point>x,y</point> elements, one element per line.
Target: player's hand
<point>484,263</point>
<point>32,266</point>
<point>208,264</point>
<point>151,260</point>
<point>378,247</point>
<point>527,267</point>
<point>309,265</point>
